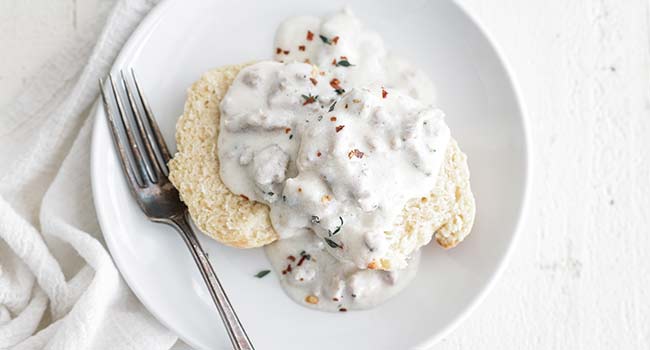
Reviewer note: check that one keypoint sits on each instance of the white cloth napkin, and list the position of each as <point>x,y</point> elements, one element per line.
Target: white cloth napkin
<point>59,288</point>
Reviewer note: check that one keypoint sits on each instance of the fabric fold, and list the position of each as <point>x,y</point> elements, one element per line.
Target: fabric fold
<point>59,288</point>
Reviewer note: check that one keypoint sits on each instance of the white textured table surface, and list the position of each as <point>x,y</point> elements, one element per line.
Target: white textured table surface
<point>580,274</point>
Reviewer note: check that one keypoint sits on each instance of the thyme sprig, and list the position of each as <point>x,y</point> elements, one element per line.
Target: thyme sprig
<point>309,99</point>
<point>337,229</point>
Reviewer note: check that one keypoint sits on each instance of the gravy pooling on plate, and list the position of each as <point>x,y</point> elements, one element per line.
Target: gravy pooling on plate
<point>336,137</point>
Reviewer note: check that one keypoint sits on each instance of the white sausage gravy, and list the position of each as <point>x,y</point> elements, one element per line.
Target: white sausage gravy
<point>335,136</point>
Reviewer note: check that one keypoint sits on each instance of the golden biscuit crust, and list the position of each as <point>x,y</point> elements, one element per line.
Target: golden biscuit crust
<point>447,213</point>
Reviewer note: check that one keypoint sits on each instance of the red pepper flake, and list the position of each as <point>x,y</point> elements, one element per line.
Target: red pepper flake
<point>313,81</point>
<point>309,99</point>
<point>288,269</point>
<point>287,130</point>
<point>278,51</point>
<point>355,153</point>
<point>339,128</point>
<point>310,35</point>
<point>384,93</point>
<point>291,257</point>
<point>333,119</point>
<point>334,62</point>
<point>245,198</point>
<point>335,83</point>
<point>335,40</point>
<point>345,58</point>
<point>343,309</point>
<point>301,47</point>
<point>318,154</point>
<point>286,52</point>
<point>302,259</point>
<point>335,299</point>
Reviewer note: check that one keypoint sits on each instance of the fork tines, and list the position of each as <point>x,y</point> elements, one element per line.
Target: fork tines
<point>141,168</point>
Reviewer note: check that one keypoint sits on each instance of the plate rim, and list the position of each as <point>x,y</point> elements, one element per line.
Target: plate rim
<point>148,24</point>
<point>527,171</point>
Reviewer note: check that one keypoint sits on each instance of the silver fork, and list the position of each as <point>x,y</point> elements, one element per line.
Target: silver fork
<point>146,174</point>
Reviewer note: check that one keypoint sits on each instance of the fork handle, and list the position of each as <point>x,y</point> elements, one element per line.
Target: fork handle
<point>236,332</point>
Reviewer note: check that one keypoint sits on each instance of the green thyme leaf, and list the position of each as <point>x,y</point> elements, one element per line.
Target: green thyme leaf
<point>262,273</point>
<point>344,63</point>
<point>332,244</point>
<point>325,39</point>
<point>337,229</point>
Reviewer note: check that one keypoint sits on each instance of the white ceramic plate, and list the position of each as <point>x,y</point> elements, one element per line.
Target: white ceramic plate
<point>181,39</point>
